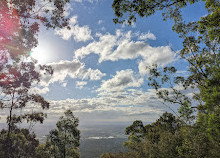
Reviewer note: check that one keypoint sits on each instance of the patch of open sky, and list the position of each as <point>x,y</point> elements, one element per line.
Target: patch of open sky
<point>194,11</point>
<point>108,66</point>
<point>100,10</point>
<point>91,61</point>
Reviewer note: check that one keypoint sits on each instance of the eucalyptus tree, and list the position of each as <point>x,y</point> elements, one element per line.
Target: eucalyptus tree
<point>24,143</point>
<point>63,142</point>
<point>200,48</point>
<point>21,21</point>
<point>20,25</point>
<point>199,113</point>
<point>19,102</point>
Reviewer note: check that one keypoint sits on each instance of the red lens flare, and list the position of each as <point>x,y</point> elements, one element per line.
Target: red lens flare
<point>9,27</point>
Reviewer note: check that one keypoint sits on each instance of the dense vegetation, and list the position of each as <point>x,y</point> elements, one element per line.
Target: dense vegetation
<point>195,130</point>
<point>20,24</point>
<point>63,141</point>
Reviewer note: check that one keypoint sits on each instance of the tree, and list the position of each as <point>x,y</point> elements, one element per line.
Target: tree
<point>15,85</point>
<point>24,143</point>
<point>21,21</point>
<point>158,139</point>
<point>200,48</point>
<point>199,114</point>
<point>200,45</point>
<point>119,155</point>
<point>64,141</point>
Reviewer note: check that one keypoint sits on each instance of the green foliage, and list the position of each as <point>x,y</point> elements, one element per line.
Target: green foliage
<point>22,143</point>
<point>16,80</point>
<point>120,155</point>
<point>197,130</point>
<point>158,139</point>
<point>20,24</point>
<point>127,10</point>
<point>42,152</point>
<point>15,84</point>
<point>63,141</point>
<point>22,20</point>
<point>167,137</point>
<point>195,143</point>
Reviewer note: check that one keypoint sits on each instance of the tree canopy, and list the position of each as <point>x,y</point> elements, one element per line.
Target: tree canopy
<point>200,49</point>
<point>195,133</point>
<point>20,25</point>
<point>64,141</point>
<point>24,143</point>
<point>21,21</point>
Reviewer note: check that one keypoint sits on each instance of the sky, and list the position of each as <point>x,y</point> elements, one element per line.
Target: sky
<point>100,67</point>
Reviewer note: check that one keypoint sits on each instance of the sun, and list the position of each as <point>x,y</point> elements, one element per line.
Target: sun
<point>41,53</point>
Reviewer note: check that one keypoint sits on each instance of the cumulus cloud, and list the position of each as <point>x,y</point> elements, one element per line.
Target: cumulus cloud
<point>73,69</point>
<point>161,56</point>
<point>131,98</point>
<point>123,79</point>
<point>79,33</point>
<point>146,36</point>
<point>38,90</point>
<point>67,9</point>
<point>121,47</point>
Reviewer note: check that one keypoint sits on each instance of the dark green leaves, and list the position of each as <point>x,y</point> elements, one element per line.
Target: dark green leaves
<point>64,141</point>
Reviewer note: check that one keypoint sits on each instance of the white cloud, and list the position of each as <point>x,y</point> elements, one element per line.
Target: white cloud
<point>67,9</point>
<point>79,33</point>
<point>80,84</point>
<point>38,90</point>
<point>133,25</point>
<point>161,56</point>
<point>121,47</point>
<point>105,46</point>
<point>148,35</point>
<point>91,74</point>
<point>114,107</point>
<point>73,20</point>
<point>120,106</point>
<point>73,69</point>
<point>123,79</point>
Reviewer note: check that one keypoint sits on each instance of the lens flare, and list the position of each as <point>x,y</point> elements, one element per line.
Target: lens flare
<point>9,28</point>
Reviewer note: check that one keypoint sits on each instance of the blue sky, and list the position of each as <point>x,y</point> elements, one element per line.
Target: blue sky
<point>99,67</point>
